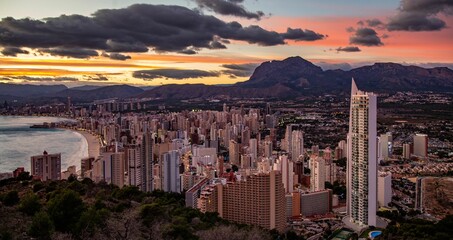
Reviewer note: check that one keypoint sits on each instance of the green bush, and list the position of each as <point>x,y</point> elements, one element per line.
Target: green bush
<point>11,198</point>
<point>65,209</point>
<point>41,226</point>
<point>30,204</point>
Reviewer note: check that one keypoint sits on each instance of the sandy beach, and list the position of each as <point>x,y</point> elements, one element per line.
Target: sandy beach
<point>93,143</point>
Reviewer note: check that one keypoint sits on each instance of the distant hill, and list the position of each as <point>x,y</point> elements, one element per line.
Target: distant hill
<point>289,78</point>
<point>85,87</point>
<point>296,76</point>
<point>115,91</point>
<point>190,91</point>
<point>28,90</point>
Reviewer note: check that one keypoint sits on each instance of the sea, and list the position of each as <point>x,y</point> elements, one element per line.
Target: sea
<point>18,142</point>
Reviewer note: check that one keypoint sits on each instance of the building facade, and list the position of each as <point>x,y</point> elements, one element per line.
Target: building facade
<point>362,162</point>
<point>46,166</point>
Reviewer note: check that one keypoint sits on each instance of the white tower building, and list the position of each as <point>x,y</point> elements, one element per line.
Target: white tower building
<point>362,163</point>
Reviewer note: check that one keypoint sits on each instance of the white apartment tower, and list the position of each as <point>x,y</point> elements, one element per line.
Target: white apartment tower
<point>297,144</point>
<point>318,173</point>
<point>362,162</point>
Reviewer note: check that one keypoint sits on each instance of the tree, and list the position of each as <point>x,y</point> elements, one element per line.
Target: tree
<point>30,204</point>
<point>11,198</point>
<point>65,209</point>
<point>41,226</point>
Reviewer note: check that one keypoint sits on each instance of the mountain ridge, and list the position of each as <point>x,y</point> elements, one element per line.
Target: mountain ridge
<point>288,78</point>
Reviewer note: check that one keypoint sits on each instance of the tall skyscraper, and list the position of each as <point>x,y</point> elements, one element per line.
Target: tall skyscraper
<point>234,152</point>
<point>170,172</point>
<point>285,166</point>
<point>46,166</point>
<point>134,160</point>
<point>362,163</point>
<point>421,145</point>
<point>113,167</point>
<point>318,173</point>
<point>297,144</point>
<point>147,161</point>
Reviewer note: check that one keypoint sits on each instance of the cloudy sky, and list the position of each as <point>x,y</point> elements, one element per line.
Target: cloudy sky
<point>212,41</point>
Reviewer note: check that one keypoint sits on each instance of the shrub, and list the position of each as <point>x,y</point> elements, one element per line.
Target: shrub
<point>11,198</point>
<point>41,226</point>
<point>30,204</point>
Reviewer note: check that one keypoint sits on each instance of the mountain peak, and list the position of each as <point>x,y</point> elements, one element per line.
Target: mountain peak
<point>286,72</point>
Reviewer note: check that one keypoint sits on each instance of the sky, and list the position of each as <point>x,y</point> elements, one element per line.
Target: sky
<point>151,43</point>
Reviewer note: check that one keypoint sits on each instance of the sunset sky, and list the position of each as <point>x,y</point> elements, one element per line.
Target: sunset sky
<point>212,41</point>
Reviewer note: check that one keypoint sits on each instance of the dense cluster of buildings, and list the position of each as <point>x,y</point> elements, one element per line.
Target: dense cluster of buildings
<point>235,163</point>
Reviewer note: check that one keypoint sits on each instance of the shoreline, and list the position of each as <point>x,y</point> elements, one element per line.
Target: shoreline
<point>94,144</point>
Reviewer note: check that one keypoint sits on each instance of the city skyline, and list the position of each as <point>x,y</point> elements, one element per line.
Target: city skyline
<point>331,35</point>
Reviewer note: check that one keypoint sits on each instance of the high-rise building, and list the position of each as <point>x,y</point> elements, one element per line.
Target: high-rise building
<point>285,166</point>
<point>147,162</point>
<point>407,150</point>
<point>312,203</point>
<point>421,145</point>
<point>297,144</point>
<point>234,152</point>
<point>113,167</point>
<point>385,146</point>
<point>253,148</point>
<point>362,163</point>
<point>170,172</point>
<point>384,188</point>
<point>318,173</point>
<point>260,200</point>
<point>86,164</point>
<point>46,166</point>
<point>268,148</point>
<point>134,162</point>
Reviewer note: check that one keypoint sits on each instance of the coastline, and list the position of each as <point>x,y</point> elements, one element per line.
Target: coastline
<point>93,143</point>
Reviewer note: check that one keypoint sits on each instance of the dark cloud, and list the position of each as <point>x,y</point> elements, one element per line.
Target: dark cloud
<point>351,29</point>
<point>114,46</point>
<point>348,49</point>
<point>116,56</point>
<point>69,52</point>
<point>228,7</point>
<point>13,51</point>
<point>365,37</point>
<point>97,77</point>
<point>420,15</point>
<point>239,70</point>
<point>188,51</point>
<point>135,29</point>
<point>374,22</point>
<point>45,79</point>
<point>301,35</point>
<point>170,73</point>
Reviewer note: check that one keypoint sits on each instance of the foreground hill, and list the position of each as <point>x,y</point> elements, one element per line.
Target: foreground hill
<point>84,210</point>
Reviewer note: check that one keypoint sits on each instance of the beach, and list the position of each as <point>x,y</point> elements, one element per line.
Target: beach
<point>93,143</point>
